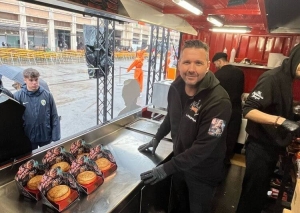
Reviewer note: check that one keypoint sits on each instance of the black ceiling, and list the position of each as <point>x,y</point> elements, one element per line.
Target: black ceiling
<point>283,15</point>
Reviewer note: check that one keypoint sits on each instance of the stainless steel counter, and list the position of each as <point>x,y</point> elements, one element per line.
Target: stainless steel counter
<point>147,126</point>
<point>123,144</point>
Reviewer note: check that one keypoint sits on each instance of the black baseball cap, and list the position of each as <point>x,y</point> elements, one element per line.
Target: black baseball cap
<point>218,56</point>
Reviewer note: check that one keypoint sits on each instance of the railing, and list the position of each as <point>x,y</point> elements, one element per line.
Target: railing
<point>17,56</point>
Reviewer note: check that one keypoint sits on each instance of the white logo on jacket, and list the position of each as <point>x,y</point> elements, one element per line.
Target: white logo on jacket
<point>257,95</point>
<point>43,102</point>
<point>190,117</point>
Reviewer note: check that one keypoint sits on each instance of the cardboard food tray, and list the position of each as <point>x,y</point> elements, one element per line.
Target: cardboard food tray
<point>63,204</point>
<point>56,155</point>
<point>26,172</point>
<point>89,188</point>
<point>28,193</point>
<point>83,164</point>
<point>108,172</point>
<point>100,152</point>
<point>55,177</point>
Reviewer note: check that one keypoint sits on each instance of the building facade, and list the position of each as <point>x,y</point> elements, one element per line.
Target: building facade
<point>30,26</point>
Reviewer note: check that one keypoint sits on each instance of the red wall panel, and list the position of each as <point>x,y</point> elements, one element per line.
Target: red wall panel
<point>254,47</point>
<point>243,48</point>
<point>278,45</point>
<point>287,46</point>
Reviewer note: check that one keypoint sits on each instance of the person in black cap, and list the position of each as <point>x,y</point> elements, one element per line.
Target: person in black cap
<point>5,91</point>
<point>271,127</point>
<point>232,79</point>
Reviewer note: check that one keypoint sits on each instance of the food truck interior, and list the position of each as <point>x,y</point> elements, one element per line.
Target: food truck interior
<point>253,31</point>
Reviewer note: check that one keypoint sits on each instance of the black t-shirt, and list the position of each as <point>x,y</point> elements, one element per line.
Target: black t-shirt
<point>232,80</point>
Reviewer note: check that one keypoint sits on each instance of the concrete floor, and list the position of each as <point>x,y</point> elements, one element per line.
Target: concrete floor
<point>75,93</point>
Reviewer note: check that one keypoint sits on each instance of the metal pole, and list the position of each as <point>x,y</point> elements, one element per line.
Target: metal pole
<point>97,71</point>
<point>44,39</point>
<point>120,84</point>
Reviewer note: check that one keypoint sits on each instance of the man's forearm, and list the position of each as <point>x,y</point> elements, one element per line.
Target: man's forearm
<point>264,118</point>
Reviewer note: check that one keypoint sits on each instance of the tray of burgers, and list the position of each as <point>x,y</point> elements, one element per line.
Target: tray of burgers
<point>28,178</point>
<point>58,157</point>
<point>87,174</point>
<point>59,190</point>
<point>104,159</point>
<point>79,148</point>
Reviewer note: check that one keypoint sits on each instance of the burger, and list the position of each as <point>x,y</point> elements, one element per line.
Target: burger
<point>58,193</point>
<point>64,166</point>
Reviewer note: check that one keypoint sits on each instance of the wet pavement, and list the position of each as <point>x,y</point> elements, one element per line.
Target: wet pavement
<point>75,93</point>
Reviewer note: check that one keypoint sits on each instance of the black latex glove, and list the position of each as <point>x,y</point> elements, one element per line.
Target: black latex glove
<point>291,126</point>
<point>145,147</point>
<point>153,176</point>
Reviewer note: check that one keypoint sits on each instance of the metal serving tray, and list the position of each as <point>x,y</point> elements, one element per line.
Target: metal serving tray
<point>123,144</point>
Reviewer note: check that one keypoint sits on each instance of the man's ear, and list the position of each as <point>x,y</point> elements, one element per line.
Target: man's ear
<point>208,65</point>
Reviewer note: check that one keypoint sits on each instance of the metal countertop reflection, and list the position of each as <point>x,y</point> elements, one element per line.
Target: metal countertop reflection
<point>123,144</point>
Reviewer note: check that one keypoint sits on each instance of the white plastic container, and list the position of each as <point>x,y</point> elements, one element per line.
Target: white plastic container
<point>232,55</point>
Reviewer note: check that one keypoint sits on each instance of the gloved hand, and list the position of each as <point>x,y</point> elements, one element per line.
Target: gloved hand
<point>291,126</point>
<point>153,143</point>
<point>153,176</point>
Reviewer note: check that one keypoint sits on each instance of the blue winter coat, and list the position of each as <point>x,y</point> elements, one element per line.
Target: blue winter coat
<point>41,121</point>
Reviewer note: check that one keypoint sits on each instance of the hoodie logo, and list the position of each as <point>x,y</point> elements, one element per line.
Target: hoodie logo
<point>195,107</point>
<point>43,102</point>
<point>257,95</point>
<point>216,127</point>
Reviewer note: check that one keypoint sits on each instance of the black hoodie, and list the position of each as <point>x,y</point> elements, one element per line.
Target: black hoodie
<point>199,150</point>
<point>273,94</point>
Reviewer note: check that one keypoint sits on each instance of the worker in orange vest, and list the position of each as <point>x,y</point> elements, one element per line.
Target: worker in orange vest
<point>138,64</point>
<point>167,64</point>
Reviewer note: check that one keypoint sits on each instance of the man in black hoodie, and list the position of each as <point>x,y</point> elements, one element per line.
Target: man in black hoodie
<point>269,110</point>
<point>232,79</point>
<point>199,110</point>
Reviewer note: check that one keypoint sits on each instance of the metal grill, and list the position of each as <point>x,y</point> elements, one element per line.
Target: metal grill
<point>158,52</point>
<point>105,80</point>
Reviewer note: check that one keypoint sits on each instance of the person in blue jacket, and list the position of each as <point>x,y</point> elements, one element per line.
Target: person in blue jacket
<point>41,121</point>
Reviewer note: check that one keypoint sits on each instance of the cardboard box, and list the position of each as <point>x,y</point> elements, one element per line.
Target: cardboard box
<point>27,171</point>
<point>108,172</point>
<point>82,164</point>
<point>89,188</point>
<point>53,178</point>
<point>295,205</point>
<point>61,205</point>
<point>28,193</point>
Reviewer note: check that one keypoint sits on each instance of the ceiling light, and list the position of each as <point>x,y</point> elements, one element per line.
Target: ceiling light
<point>231,29</point>
<point>186,5</point>
<point>215,20</point>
